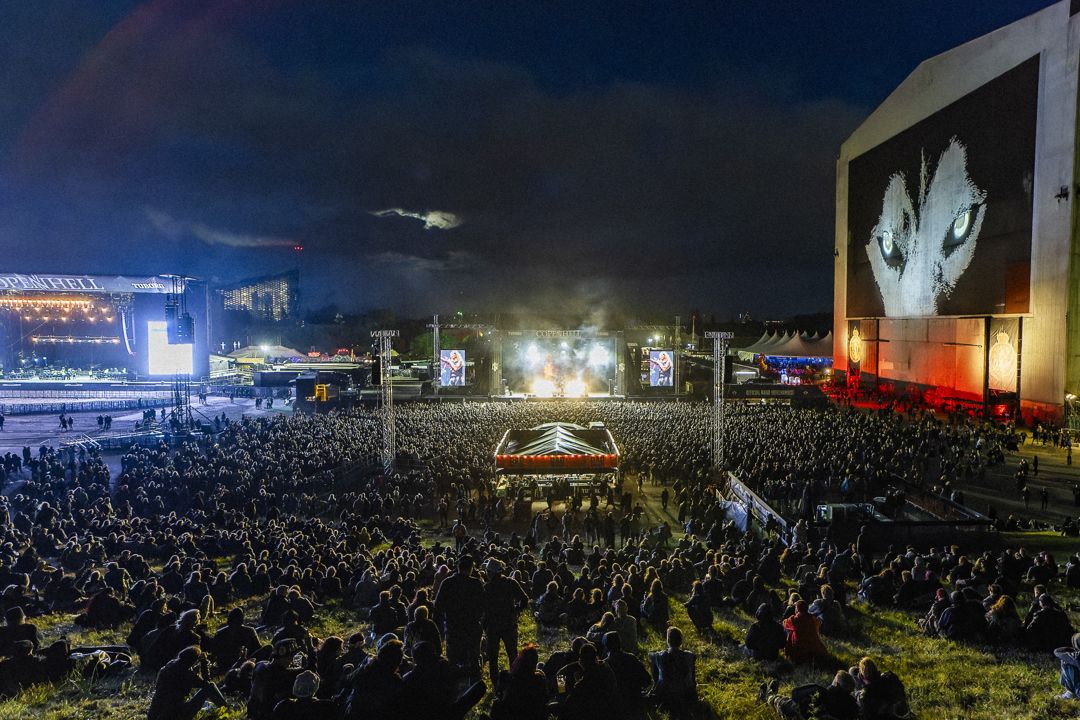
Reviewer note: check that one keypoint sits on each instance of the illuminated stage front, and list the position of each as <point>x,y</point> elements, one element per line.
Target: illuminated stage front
<point>560,364</point>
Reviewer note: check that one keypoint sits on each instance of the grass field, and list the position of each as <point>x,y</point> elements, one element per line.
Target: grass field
<point>944,680</point>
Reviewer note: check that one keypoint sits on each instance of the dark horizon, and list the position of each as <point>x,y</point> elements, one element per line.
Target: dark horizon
<point>564,158</point>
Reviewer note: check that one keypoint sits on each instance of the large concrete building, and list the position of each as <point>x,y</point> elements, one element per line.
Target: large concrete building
<point>270,298</point>
<point>957,273</point>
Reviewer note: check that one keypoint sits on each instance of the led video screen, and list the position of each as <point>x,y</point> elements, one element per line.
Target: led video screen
<point>661,366</point>
<point>163,358</point>
<point>559,367</point>
<point>940,215</point>
<point>452,364</point>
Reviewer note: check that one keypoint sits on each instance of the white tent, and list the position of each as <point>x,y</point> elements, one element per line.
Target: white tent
<point>799,346</point>
<point>764,340</point>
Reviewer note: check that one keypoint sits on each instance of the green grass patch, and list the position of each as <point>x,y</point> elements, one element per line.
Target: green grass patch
<point>944,679</point>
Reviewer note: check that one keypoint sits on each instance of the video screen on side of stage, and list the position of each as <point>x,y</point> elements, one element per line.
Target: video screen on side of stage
<point>940,215</point>
<point>452,364</point>
<point>661,368</point>
<point>163,358</point>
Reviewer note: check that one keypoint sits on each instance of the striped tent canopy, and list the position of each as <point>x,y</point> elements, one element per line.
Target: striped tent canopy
<point>557,448</point>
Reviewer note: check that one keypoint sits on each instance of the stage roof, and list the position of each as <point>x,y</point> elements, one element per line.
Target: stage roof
<point>555,448</point>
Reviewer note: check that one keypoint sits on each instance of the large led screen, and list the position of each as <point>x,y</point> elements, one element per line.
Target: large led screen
<point>661,365</point>
<point>166,359</point>
<point>939,216</point>
<point>452,363</point>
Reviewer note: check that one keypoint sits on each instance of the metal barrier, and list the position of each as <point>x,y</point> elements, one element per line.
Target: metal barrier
<point>58,393</point>
<point>80,442</point>
<point>757,508</point>
<point>55,408</point>
<point>123,441</point>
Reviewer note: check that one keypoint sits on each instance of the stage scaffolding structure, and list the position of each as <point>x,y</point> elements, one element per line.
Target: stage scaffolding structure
<point>720,348</point>
<point>386,397</point>
<point>436,347</point>
<point>175,311</point>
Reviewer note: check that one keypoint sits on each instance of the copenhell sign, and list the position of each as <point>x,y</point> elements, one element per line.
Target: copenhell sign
<point>84,283</point>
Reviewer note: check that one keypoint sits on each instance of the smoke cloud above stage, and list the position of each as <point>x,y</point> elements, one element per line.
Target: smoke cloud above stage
<point>426,159</point>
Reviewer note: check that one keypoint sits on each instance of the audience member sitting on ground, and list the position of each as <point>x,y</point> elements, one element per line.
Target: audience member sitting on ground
<point>804,643</point>
<point>674,672</point>
<point>188,672</point>
<point>765,638</point>
<point>881,696</point>
<point>304,705</point>
<point>523,695</point>
<point>1070,668</point>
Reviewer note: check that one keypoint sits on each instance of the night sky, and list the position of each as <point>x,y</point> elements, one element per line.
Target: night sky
<point>439,156</point>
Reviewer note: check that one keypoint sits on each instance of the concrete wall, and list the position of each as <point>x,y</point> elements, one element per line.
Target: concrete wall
<point>943,352</point>
<point>1049,346</point>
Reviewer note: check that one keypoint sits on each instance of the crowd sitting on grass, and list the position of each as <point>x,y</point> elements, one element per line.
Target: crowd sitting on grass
<point>220,559</point>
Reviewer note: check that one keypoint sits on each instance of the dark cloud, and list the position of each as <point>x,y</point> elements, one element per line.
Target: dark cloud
<point>180,138</point>
<point>174,229</point>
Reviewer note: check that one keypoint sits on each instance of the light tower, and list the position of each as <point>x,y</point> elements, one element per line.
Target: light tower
<point>436,361</point>
<point>720,347</point>
<point>180,330</point>
<point>386,397</point>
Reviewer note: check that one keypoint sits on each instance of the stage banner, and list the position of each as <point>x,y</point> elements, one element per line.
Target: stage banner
<point>452,363</point>
<point>84,283</point>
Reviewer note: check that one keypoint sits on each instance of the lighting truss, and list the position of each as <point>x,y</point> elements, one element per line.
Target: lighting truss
<point>72,340</point>
<point>386,397</point>
<point>720,347</point>
<point>21,303</point>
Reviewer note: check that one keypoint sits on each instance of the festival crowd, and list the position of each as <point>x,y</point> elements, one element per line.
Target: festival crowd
<point>222,562</point>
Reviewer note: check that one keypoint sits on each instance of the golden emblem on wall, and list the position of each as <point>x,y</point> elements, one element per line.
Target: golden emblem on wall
<point>854,347</point>
<point>1002,363</point>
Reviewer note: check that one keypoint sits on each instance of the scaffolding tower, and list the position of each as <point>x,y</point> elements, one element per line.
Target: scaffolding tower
<point>175,312</point>
<point>386,397</point>
<point>720,348</point>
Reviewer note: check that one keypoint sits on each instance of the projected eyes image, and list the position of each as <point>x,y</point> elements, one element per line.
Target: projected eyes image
<point>921,246</point>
